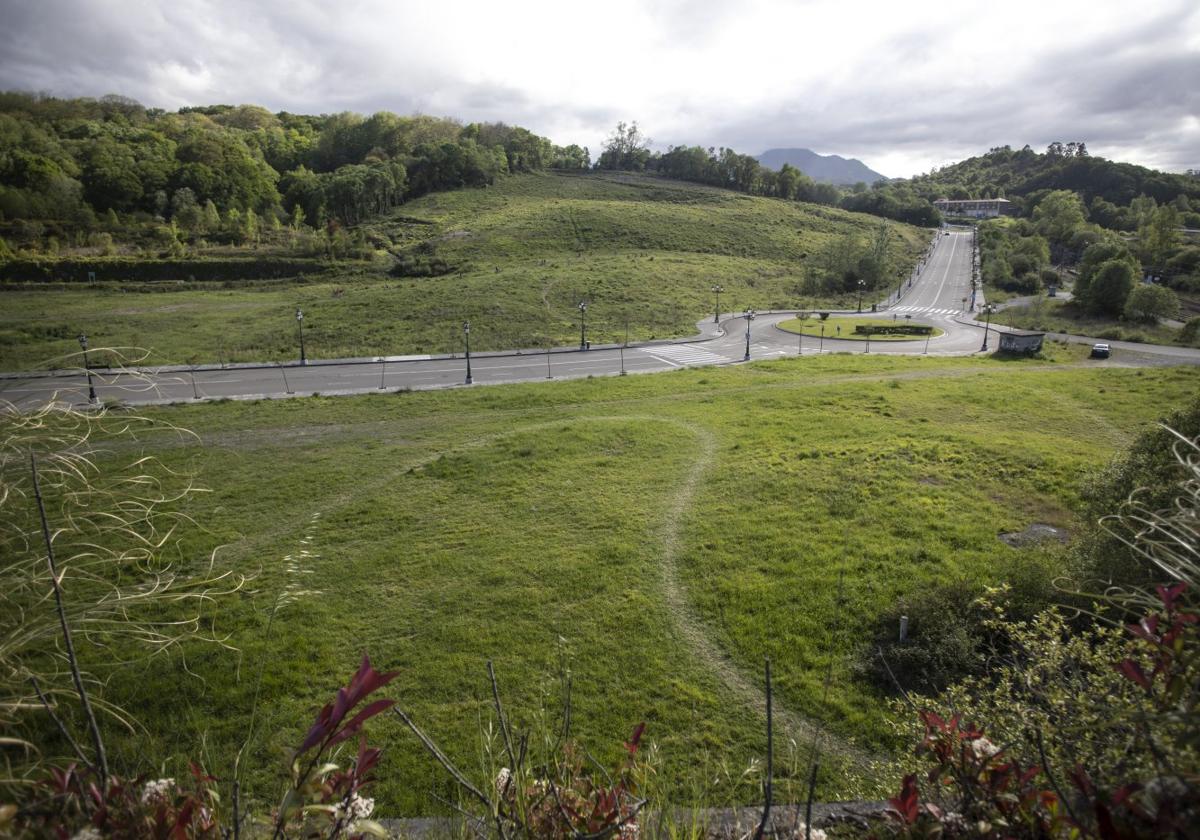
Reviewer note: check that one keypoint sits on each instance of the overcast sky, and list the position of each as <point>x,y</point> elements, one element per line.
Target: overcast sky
<point>904,86</point>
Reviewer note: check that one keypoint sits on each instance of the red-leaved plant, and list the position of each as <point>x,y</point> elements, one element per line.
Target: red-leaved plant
<point>323,799</point>
<point>69,802</point>
<point>984,794</point>
<point>572,803</point>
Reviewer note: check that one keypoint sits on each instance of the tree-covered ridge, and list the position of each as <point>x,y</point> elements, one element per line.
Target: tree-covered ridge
<point>71,160</point>
<point>628,149</point>
<point>1025,177</point>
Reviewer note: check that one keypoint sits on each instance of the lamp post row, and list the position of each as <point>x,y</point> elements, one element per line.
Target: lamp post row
<point>583,342</point>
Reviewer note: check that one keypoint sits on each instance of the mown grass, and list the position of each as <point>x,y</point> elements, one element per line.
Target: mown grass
<point>1068,317</point>
<point>527,524</point>
<point>843,327</point>
<point>644,252</point>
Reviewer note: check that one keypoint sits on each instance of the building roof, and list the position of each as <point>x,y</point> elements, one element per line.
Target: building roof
<point>970,200</point>
<point>1022,333</point>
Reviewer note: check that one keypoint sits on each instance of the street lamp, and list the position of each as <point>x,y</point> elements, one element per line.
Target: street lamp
<point>83,343</point>
<point>862,284</point>
<point>467,338</point>
<point>749,315</point>
<point>716,290</point>
<point>583,325</point>
<point>300,324</point>
<point>987,310</point>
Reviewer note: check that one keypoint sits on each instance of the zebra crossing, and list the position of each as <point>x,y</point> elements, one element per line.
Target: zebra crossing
<point>683,355</point>
<point>929,310</point>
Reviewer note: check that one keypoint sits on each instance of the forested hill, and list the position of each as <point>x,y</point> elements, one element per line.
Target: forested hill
<point>71,160</point>
<point>1024,176</point>
<point>832,169</point>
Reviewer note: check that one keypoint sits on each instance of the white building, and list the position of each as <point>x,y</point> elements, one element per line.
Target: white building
<point>976,208</point>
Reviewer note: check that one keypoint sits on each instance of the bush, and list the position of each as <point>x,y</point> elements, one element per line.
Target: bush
<point>1190,332</point>
<point>1150,302</point>
<point>949,636</point>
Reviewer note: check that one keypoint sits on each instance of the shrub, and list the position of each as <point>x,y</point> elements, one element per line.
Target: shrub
<point>949,626</point>
<point>1191,331</point>
<point>1150,302</point>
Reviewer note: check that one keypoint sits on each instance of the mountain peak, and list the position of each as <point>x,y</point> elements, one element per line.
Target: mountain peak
<point>833,169</point>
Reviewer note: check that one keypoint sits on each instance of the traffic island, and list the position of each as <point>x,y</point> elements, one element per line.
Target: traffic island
<point>862,329</point>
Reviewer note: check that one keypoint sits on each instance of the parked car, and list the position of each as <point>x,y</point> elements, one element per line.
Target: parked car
<point>1101,351</point>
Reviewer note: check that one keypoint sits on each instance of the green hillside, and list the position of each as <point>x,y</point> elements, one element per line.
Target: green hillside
<point>657,535</point>
<point>515,259</point>
<point>1025,176</point>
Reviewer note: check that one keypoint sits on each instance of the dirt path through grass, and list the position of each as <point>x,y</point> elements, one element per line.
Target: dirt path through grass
<point>691,627</point>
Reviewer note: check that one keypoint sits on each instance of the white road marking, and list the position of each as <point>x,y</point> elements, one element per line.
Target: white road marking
<point>681,354</point>
<point>949,262</point>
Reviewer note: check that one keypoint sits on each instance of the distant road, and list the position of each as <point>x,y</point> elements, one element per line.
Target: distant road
<point>936,296</point>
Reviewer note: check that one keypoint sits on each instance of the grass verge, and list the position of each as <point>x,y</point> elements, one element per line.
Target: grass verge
<point>1068,317</point>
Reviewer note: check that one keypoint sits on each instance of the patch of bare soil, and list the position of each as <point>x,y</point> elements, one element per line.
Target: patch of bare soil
<point>1038,532</point>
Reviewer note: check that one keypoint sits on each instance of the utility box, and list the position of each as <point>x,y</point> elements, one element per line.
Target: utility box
<point>1021,342</point>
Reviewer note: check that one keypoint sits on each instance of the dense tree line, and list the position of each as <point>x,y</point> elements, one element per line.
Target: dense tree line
<point>87,164</point>
<point>1118,275</point>
<point>1108,189</point>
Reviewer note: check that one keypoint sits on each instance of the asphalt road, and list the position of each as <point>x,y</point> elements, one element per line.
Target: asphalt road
<point>935,296</point>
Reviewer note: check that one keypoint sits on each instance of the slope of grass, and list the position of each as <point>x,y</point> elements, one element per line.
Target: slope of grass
<point>643,251</point>
<point>1068,317</point>
<point>539,525</point>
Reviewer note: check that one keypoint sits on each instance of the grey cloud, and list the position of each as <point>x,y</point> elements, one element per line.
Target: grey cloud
<point>1118,95</point>
<point>1124,93</point>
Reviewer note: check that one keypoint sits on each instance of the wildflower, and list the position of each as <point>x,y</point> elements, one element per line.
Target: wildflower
<point>983,748</point>
<point>157,789</point>
<point>358,808</point>
<point>629,831</point>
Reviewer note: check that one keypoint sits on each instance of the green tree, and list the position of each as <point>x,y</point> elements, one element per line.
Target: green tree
<point>787,181</point>
<point>210,217</point>
<point>626,149</point>
<point>1150,302</point>
<point>1058,214</point>
<point>1158,235</point>
<point>250,227</point>
<point>1110,287</point>
<point>1094,256</point>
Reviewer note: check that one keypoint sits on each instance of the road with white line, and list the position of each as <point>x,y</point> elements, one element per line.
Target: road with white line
<point>940,295</point>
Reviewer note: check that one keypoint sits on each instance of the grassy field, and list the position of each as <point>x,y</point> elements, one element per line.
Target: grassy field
<point>643,251</point>
<point>844,328</point>
<point>1067,317</point>
<point>657,535</point>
